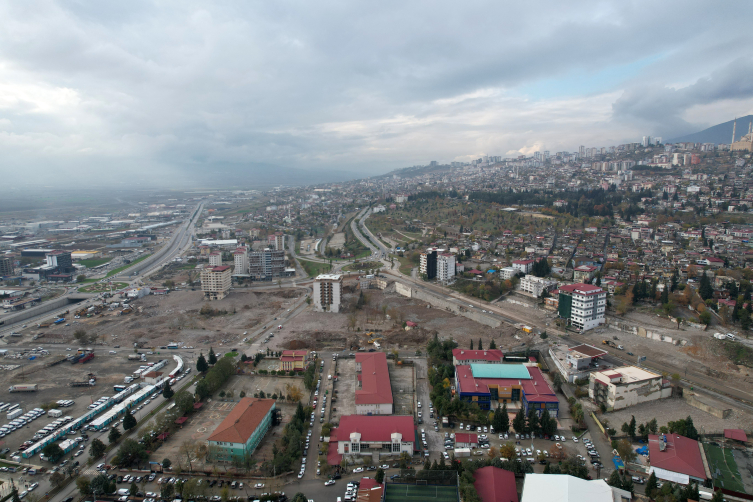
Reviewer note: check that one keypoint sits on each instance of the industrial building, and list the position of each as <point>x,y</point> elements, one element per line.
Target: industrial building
<point>495,485</point>
<point>373,389</point>
<point>618,388</point>
<point>215,282</point>
<point>582,305</point>
<point>541,487</point>
<point>511,384</point>
<point>242,430</point>
<point>328,292</point>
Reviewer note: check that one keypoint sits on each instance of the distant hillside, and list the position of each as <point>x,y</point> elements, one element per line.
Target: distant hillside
<point>720,133</point>
<point>412,172</point>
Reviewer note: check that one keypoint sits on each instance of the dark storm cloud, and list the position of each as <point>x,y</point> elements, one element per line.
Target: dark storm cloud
<point>174,86</point>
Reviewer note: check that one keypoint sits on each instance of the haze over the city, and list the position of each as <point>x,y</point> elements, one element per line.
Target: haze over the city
<point>192,93</point>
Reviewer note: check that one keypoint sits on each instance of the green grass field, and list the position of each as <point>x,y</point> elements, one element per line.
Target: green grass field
<point>729,475</point>
<point>120,269</point>
<point>421,492</point>
<point>405,265</point>
<point>94,262</point>
<point>313,268</point>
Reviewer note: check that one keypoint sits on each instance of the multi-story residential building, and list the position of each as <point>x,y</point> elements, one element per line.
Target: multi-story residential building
<point>535,286</point>
<point>507,273</point>
<point>584,273</point>
<point>445,266</point>
<point>6,266</point>
<point>276,241</point>
<point>240,260</point>
<point>328,292</point>
<point>428,264</point>
<point>373,390</point>
<point>523,266</point>
<point>61,260</point>
<point>266,264</point>
<point>215,259</point>
<point>582,305</point>
<point>240,433</point>
<point>619,388</point>
<point>215,282</point>
<point>575,362</point>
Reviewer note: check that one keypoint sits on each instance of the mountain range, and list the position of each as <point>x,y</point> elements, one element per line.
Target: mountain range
<point>720,133</point>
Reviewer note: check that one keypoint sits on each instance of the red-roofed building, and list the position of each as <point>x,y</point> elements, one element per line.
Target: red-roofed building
<point>583,305</point>
<point>364,435</point>
<point>293,360</point>
<point>736,435</point>
<point>242,430</point>
<point>466,440</point>
<point>524,266</point>
<point>678,455</point>
<point>495,485</point>
<point>374,392</point>
<point>464,356</point>
<point>370,491</point>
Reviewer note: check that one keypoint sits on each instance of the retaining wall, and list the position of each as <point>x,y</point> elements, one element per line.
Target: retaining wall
<point>644,332</point>
<point>439,302</point>
<point>693,401</point>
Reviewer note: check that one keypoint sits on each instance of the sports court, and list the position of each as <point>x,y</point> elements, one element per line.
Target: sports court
<point>724,468</point>
<point>396,492</point>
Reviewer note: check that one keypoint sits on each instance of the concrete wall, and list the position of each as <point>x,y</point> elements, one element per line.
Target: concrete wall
<point>693,400</point>
<point>644,332</point>
<point>49,306</point>
<point>439,302</point>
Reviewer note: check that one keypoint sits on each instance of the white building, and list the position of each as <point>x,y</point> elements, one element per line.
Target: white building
<point>566,488</point>
<point>138,292</point>
<point>328,292</point>
<point>524,266</point>
<point>215,259</point>
<point>619,388</point>
<point>240,259</point>
<point>389,435</point>
<point>535,286</point>
<point>507,273</point>
<point>583,305</point>
<point>445,266</point>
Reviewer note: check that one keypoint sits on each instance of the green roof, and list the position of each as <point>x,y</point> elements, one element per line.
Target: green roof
<point>500,371</point>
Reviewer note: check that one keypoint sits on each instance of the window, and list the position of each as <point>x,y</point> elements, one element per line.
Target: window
<point>355,447</point>
<point>395,447</point>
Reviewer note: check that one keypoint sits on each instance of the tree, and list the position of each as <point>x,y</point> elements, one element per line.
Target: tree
<point>705,289</point>
<point>533,421</point>
<point>212,357</point>
<point>166,463</point>
<point>651,485</point>
<point>201,364</point>
<point>507,451</point>
<point>615,479</point>
<point>129,422</point>
<point>718,496</point>
<point>705,317</point>
<point>57,479</point>
<point>631,427</point>
<point>167,491</point>
<point>53,452</point>
<point>480,347</point>
<point>80,278</point>
<point>519,422</point>
<point>133,489</point>
<point>379,477</point>
<point>300,497</point>
<point>492,345</point>
<point>168,392</point>
<point>471,344</point>
<point>625,450</point>
<point>97,449</point>
<point>130,452</point>
<point>501,420</point>
<point>114,434</point>
<point>82,483</point>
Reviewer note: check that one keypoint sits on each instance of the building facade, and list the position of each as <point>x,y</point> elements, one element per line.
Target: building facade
<point>362,435</point>
<point>328,292</point>
<point>523,266</point>
<point>276,241</point>
<point>293,360</point>
<point>240,433</point>
<point>535,286</point>
<point>266,264</point>
<point>215,282</point>
<point>215,259</point>
<point>240,260</point>
<point>428,264</point>
<point>582,305</point>
<point>445,266</point>
<point>618,388</point>
<point>6,266</point>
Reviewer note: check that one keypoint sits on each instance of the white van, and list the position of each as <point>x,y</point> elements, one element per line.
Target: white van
<point>123,491</point>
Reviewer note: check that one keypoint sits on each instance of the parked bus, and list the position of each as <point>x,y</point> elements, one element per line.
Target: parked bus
<point>4,407</point>
<point>119,388</point>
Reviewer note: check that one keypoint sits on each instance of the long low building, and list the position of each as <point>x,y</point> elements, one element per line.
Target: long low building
<point>507,384</point>
<point>242,430</point>
<point>373,390</point>
<point>677,458</point>
<point>359,435</point>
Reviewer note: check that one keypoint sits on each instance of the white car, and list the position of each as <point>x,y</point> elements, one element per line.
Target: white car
<point>358,469</point>
<point>259,485</point>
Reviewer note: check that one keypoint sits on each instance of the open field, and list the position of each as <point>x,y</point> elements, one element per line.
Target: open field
<point>337,241</point>
<point>313,268</point>
<point>94,262</point>
<point>728,475</point>
<point>120,269</point>
<point>420,492</point>
<point>102,287</point>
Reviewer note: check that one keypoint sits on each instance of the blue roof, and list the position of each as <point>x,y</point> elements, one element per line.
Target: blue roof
<point>500,371</point>
<point>490,271</point>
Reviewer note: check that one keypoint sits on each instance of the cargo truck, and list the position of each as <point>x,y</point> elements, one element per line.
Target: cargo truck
<point>462,452</point>
<point>15,414</point>
<point>87,357</point>
<point>60,321</point>
<point>134,357</point>
<point>31,387</point>
<point>83,383</point>
<point>55,413</point>
<point>445,422</point>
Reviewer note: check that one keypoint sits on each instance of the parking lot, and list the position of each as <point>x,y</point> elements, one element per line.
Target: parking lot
<point>346,389</point>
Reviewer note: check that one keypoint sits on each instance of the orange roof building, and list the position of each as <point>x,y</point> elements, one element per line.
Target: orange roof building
<point>241,432</point>
<point>293,360</point>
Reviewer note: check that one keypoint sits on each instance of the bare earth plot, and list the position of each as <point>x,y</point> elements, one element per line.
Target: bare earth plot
<point>337,241</point>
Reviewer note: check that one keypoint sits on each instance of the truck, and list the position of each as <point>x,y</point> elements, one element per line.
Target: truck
<point>527,329</point>
<point>172,345</point>
<point>59,321</point>
<point>15,413</point>
<point>29,387</point>
<point>720,336</point>
<point>55,413</point>
<point>87,357</point>
<point>134,357</point>
<point>445,422</point>
<point>610,343</point>
<point>462,452</point>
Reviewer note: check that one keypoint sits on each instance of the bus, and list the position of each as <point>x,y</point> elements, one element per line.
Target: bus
<point>119,388</point>
<point>13,407</point>
<point>4,407</point>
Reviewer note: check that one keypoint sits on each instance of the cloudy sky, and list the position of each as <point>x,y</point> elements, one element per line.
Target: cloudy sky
<point>175,89</point>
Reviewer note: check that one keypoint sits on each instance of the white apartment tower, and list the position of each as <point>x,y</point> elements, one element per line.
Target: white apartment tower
<point>215,259</point>
<point>328,290</point>
<point>445,266</point>
<point>583,305</point>
<point>240,258</point>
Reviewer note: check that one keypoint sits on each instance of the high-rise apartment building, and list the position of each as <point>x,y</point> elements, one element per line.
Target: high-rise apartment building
<point>583,305</point>
<point>240,260</point>
<point>328,292</point>
<point>276,241</point>
<point>445,266</point>
<point>428,264</point>
<point>215,282</point>
<point>267,264</point>
<point>215,259</point>
<point>6,266</point>
<point>61,260</point>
